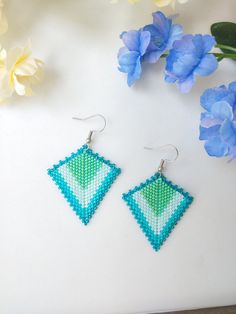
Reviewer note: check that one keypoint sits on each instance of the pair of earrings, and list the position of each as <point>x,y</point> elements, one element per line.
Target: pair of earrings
<point>85,177</point>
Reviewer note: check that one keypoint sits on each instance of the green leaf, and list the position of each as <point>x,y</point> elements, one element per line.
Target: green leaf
<point>225,34</point>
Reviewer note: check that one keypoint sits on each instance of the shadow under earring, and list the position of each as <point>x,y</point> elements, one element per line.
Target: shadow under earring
<point>84,177</point>
<point>157,204</point>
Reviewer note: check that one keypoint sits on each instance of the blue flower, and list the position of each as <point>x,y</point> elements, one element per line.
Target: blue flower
<point>218,122</point>
<point>163,34</point>
<point>129,57</point>
<point>146,44</point>
<point>189,57</point>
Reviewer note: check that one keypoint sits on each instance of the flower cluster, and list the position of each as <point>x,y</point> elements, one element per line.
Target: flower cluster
<point>146,44</point>
<point>218,122</point>
<point>188,55</point>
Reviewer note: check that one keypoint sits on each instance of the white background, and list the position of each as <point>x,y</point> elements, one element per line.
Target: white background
<point>49,262</point>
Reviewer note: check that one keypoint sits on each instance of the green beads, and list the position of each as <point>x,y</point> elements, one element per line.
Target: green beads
<point>84,167</point>
<point>84,178</point>
<point>157,205</point>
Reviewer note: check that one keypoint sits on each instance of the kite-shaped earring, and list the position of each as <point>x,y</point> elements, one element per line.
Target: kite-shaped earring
<point>157,204</point>
<point>84,177</point>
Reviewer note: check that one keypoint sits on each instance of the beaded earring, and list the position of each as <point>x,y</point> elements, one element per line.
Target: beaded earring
<point>157,204</point>
<point>84,177</point>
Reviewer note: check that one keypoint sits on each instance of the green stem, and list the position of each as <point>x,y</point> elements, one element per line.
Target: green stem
<point>225,47</point>
<point>219,55</point>
<point>224,55</point>
<point>219,58</point>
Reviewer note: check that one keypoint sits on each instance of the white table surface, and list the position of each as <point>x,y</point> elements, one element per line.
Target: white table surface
<point>49,262</point>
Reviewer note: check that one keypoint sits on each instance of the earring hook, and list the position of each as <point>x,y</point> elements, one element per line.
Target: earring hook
<point>165,160</point>
<point>91,132</point>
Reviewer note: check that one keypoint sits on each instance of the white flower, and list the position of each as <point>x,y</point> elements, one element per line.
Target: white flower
<point>19,72</point>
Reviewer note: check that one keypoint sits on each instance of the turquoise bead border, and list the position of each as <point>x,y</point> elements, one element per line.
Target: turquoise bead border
<point>156,240</point>
<point>85,214</point>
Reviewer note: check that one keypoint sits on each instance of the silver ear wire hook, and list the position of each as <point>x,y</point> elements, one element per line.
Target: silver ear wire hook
<point>91,132</point>
<point>164,161</point>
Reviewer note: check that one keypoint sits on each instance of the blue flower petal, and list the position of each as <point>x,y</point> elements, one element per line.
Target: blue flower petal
<point>162,23</point>
<point>180,65</point>
<point>183,68</point>
<point>212,95</point>
<point>232,87</point>
<point>208,120</point>
<point>188,58</point>
<point>122,51</point>
<point>157,44</point>
<point>199,49</point>
<point>176,33</point>
<point>127,61</point>
<point>218,123</point>
<point>232,153</point>
<point>136,40</point>
<point>157,39</point>
<point>207,66</point>
<point>209,42</point>
<point>222,110</point>
<point>152,56</point>
<point>228,132</point>
<point>130,63</point>
<point>131,40</point>
<point>135,75</point>
<point>207,133</point>
<point>145,38</point>
<point>184,45</point>
<point>129,57</point>
<point>186,85</point>
<point>170,79</point>
<point>163,34</point>
<point>216,147</point>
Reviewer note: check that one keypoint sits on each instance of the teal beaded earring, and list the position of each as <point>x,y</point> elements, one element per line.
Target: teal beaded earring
<point>157,204</point>
<point>84,177</point>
